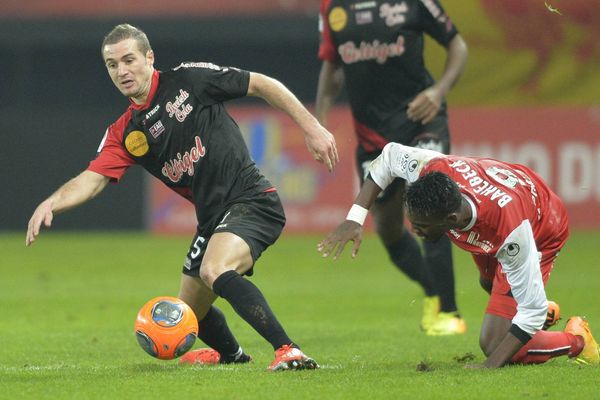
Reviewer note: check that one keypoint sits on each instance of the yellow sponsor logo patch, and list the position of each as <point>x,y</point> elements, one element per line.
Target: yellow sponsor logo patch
<point>338,18</point>
<point>136,143</point>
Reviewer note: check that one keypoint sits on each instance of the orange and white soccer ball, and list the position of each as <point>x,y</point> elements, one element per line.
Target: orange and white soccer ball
<point>166,327</point>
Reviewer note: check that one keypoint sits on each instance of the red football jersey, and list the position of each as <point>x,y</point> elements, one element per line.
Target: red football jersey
<point>504,195</point>
<point>516,218</point>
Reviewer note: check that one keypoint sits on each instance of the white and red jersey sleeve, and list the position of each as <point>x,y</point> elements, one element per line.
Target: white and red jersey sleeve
<point>113,159</point>
<point>399,161</point>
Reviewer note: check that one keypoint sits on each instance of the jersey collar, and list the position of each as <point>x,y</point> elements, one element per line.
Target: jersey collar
<point>473,213</point>
<point>153,87</point>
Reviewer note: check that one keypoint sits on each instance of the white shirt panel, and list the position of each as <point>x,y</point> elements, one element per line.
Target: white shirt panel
<point>520,260</point>
<point>399,161</point>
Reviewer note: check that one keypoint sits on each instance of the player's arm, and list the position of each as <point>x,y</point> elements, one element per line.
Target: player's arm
<point>320,141</point>
<point>426,104</point>
<point>520,260</point>
<point>331,81</point>
<point>351,229</point>
<point>395,161</point>
<point>75,192</point>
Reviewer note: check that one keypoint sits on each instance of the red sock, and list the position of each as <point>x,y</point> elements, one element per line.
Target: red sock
<point>545,345</point>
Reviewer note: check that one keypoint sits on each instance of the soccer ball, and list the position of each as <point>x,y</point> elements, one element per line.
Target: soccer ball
<point>166,327</point>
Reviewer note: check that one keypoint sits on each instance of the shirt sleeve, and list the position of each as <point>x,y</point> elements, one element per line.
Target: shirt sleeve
<point>112,159</point>
<point>327,50</point>
<point>436,22</point>
<point>215,84</point>
<point>399,161</point>
<point>520,260</point>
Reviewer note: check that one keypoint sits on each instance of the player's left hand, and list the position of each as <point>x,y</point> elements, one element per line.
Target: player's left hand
<point>321,144</point>
<point>345,232</point>
<point>425,106</point>
<point>42,215</point>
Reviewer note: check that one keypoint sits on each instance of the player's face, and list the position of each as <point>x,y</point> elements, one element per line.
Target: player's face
<point>429,228</point>
<point>130,70</point>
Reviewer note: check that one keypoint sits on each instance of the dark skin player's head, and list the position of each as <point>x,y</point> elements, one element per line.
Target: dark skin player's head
<point>435,205</point>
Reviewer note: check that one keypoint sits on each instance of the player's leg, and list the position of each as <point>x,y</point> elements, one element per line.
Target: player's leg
<point>244,233</point>
<point>500,311</point>
<point>438,255</point>
<point>212,326</point>
<point>543,346</point>
<point>402,247</point>
<point>227,258</point>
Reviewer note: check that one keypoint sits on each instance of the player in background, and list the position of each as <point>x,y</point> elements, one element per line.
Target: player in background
<point>376,49</point>
<point>512,223</point>
<point>177,128</point>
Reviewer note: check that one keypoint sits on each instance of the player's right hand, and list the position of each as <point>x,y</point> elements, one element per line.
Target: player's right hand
<point>321,144</point>
<point>336,240</point>
<point>42,214</point>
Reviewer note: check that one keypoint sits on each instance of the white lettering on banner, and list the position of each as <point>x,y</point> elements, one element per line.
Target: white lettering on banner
<point>576,168</point>
<point>576,164</point>
<point>533,154</point>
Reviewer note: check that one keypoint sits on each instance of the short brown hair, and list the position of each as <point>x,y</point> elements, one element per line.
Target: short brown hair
<point>126,31</point>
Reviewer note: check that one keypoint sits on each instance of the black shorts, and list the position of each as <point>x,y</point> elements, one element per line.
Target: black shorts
<point>258,222</point>
<point>433,136</point>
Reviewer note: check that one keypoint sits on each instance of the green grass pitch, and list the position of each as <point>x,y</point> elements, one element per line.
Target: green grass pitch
<point>68,306</point>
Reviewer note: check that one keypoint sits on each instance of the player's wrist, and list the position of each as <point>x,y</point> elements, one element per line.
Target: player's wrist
<point>357,214</point>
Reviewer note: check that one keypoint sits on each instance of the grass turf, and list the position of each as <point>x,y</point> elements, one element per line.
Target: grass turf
<point>70,301</point>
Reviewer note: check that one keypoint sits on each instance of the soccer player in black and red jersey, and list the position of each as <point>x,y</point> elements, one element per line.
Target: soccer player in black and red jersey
<point>508,219</point>
<point>179,131</point>
<point>375,48</point>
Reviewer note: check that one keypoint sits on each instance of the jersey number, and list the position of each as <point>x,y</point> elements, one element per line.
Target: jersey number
<point>197,247</point>
<point>503,176</point>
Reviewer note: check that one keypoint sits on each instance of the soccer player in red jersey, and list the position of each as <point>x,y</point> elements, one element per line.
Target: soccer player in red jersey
<point>376,50</point>
<point>177,128</point>
<point>511,222</point>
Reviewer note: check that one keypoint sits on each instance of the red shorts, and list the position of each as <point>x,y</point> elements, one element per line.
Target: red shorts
<point>501,301</point>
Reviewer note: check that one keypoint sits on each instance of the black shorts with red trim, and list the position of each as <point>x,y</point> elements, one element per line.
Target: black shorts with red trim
<point>258,222</point>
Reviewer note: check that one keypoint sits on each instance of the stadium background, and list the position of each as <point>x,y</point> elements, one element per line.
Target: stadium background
<point>529,94</point>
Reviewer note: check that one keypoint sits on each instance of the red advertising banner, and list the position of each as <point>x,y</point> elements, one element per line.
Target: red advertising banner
<point>562,144</point>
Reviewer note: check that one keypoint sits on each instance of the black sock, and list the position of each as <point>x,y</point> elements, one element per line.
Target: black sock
<point>247,300</point>
<point>438,256</point>
<point>406,255</point>
<point>213,331</point>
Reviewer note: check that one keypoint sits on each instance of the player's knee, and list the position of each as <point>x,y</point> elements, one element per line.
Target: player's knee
<point>209,273</point>
<point>485,343</point>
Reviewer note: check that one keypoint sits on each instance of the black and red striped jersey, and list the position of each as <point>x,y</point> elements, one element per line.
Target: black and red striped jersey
<point>379,45</point>
<point>184,137</point>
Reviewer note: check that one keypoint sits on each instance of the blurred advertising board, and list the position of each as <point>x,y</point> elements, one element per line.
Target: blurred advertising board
<point>151,8</point>
<point>562,144</point>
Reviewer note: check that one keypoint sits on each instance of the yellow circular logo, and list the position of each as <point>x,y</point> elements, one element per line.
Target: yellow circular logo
<point>338,18</point>
<point>136,143</point>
